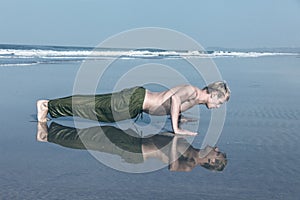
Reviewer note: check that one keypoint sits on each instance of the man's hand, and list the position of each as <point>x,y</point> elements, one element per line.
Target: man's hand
<point>183,119</point>
<point>185,132</point>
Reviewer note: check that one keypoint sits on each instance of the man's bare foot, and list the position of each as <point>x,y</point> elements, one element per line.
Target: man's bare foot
<point>42,110</point>
<point>42,132</point>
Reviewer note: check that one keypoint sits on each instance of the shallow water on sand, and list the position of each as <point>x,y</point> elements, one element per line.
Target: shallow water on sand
<point>260,138</point>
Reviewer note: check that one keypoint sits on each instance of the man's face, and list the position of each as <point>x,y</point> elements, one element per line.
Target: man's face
<point>215,154</point>
<point>214,101</point>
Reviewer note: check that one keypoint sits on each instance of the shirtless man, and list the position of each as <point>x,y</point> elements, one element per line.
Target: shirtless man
<point>128,103</point>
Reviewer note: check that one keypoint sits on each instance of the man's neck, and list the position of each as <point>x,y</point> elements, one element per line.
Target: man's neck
<point>201,96</point>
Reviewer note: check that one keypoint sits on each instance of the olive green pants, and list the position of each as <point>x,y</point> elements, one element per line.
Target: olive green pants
<point>112,107</point>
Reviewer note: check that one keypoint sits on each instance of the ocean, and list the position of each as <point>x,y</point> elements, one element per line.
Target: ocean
<point>260,135</point>
<point>18,55</point>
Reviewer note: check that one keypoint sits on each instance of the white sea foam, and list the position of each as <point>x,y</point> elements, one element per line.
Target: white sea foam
<point>17,64</point>
<point>26,55</point>
<point>250,54</point>
<point>7,53</point>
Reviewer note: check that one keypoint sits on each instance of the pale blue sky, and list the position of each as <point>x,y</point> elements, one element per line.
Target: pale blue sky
<point>223,23</point>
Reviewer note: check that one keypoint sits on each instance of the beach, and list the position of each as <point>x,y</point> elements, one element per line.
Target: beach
<point>260,137</point>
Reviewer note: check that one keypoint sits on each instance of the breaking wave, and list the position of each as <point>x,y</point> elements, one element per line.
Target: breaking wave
<point>22,55</point>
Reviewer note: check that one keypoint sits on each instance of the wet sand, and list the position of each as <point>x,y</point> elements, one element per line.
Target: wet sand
<point>260,138</point>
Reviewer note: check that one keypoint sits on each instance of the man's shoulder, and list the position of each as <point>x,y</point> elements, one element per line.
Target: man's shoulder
<point>189,88</point>
<point>187,91</point>
<point>186,87</point>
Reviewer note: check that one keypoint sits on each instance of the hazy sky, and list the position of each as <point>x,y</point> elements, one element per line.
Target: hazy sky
<point>223,23</point>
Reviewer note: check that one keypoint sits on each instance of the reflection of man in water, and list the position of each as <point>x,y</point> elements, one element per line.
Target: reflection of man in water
<point>175,151</point>
<point>129,103</point>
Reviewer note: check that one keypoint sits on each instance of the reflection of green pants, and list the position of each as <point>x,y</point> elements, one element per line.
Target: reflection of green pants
<point>117,106</point>
<point>108,139</point>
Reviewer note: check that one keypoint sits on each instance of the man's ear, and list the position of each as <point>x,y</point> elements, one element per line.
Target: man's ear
<point>214,95</point>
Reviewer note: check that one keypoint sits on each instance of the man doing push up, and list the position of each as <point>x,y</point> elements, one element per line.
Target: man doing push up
<point>129,103</point>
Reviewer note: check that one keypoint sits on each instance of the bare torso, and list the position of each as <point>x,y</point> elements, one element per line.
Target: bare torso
<point>159,103</point>
<point>172,102</point>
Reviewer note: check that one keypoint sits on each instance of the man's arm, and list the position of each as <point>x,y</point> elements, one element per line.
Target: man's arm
<point>176,100</point>
<point>174,163</point>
